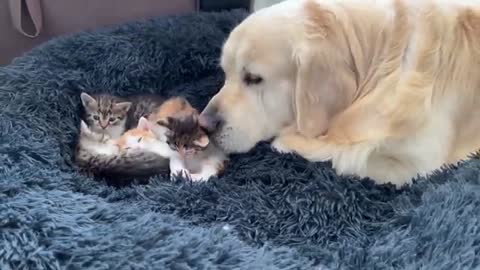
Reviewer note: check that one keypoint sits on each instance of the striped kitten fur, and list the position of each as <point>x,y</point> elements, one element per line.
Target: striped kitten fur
<point>171,137</point>
<point>112,115</point>
<point>98,154</point>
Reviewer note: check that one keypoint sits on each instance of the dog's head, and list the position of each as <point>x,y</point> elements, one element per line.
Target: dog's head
<point>274,78</point>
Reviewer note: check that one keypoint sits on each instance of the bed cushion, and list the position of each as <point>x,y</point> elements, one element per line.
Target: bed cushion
<point>269,211</point>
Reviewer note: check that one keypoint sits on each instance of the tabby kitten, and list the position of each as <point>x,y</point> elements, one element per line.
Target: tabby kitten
<point>100,155</point>
<point>105,114</point>
<point>112,115</point>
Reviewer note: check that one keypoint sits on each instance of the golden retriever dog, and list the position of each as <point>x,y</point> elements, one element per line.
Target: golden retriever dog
<point>386,89</point>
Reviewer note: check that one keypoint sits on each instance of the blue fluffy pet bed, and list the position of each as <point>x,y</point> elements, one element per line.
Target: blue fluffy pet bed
<point>269,211</point>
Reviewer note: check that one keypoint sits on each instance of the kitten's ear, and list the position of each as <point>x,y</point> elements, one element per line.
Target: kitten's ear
<point>123,106</point>
<point>165,122</point>
<point>202,141</point>
<point>144,124</point>
<point>88,101</point>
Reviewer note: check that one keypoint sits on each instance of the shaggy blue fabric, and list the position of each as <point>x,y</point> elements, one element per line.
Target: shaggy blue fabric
<point>269,211</point>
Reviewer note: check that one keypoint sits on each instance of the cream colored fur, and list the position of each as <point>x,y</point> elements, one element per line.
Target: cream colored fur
<point>387,89</point>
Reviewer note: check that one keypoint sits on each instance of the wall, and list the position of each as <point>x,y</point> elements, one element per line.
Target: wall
<point>258,4</point>
<point>67,16</point>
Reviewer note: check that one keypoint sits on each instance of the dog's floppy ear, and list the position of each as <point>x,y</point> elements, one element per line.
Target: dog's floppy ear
<point>323,88</point>
<point>325,82</point>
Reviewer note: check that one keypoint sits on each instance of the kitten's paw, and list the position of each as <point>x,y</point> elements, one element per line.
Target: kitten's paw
<point>180,174</point>
<point>197,177</point>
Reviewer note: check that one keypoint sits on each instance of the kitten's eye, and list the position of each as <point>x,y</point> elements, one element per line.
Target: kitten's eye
<point>111,119</point>
<point>252,79</point>
<point>96,117</point>
<point>140,139</point>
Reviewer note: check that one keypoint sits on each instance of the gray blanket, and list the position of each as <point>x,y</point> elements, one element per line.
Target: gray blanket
<point>269,211</point>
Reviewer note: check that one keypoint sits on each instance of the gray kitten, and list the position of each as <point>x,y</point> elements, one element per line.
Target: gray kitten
<point>112,115</point>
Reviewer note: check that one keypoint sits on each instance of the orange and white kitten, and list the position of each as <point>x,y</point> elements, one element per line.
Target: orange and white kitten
<point>151,138</point>
<point>142,137</point>
<point>172,132</point>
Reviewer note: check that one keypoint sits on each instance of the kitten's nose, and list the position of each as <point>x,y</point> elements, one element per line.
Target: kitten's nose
<point>210,122</point>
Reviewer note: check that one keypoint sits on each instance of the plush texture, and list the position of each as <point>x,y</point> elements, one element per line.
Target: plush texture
<point>269,211</point>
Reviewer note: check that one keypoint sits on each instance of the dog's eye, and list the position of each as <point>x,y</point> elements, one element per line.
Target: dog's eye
<point>251,79</point>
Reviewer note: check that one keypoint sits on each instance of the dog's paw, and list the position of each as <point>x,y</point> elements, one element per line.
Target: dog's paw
<point>279,146</point>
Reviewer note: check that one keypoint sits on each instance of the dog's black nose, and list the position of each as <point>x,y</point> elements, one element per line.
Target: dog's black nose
<point>211,122</point>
